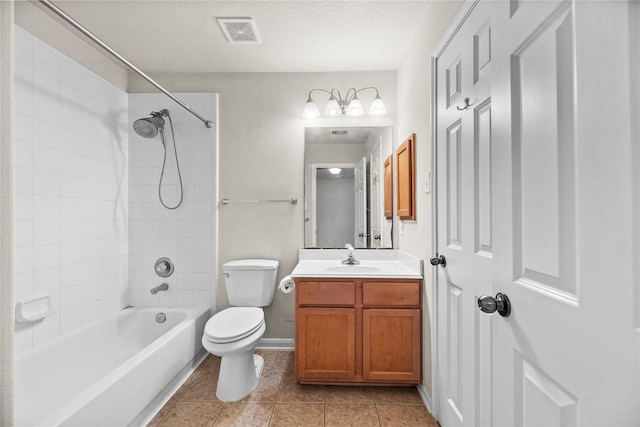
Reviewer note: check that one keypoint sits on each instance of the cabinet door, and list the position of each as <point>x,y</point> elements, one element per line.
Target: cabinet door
<point>406,179</point>
<point>391,344</point>
<point>325,343</point>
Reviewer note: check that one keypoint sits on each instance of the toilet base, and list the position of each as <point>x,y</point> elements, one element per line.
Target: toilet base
<point>239,375</point>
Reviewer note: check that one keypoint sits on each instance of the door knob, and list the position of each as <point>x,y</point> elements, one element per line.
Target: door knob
<point>435,260</point>
<point>377,237</point>
<point>500,303</point>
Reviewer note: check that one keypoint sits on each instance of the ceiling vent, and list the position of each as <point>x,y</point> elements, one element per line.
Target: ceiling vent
<point>239,30</point>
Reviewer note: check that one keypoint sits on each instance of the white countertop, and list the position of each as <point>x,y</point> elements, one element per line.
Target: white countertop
<point>386,263</point>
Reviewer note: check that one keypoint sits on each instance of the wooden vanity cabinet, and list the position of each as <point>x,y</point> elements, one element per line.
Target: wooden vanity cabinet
<point>325,330</point>
<point>360,331</point>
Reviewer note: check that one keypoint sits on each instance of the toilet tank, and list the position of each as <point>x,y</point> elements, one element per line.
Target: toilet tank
<point>250,282</point>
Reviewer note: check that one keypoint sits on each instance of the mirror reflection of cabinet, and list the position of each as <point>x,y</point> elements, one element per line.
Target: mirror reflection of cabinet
<point>405,155</point>
<point>388,187</point>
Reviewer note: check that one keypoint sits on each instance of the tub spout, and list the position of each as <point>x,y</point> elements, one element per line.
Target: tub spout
<point>162,287</point>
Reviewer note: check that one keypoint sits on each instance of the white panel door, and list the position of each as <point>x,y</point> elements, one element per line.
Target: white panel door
<point>360,194</point>
<point>464,222</point>
<point>568,354</point>
<point>549,192</point>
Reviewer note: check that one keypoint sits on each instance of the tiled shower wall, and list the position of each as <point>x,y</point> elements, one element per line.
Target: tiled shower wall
<point>71,239</point>
<point>187,234</point>
<point>88,229</point>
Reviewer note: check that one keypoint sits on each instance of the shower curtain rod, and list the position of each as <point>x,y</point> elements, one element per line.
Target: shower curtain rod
<point>55,9</point>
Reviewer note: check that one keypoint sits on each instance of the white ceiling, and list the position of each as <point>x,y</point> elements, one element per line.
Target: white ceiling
<point>297,36</point>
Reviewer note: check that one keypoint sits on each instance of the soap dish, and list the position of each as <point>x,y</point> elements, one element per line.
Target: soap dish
<point>33,309</point>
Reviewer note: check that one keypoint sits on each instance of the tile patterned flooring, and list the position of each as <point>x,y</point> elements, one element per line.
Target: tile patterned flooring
<point>278,401</point>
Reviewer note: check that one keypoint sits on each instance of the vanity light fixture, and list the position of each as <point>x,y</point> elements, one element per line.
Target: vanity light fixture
<point>349,105</point>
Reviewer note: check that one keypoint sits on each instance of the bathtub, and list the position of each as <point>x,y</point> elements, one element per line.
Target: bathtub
<point>111,373</point>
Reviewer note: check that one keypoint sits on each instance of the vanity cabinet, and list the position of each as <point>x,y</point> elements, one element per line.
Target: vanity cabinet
<point>363,331</point>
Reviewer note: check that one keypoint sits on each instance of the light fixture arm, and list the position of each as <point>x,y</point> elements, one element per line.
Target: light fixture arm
<point>309,99</point>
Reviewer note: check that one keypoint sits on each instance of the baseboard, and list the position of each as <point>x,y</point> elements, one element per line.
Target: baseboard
<point>426,398</point>
<point>276,344</point>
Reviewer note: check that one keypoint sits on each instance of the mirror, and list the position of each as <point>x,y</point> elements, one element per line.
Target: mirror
<point>344,187</point>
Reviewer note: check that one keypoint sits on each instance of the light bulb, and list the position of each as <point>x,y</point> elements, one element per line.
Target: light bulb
<point>377,107</point>
<point>310,110</point>
<point>335,171</point>
<point>333,108</point>
<point>354,109</point>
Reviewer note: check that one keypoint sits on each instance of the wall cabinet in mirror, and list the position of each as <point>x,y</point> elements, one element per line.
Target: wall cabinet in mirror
<point>405,157</point>
<point>388,187</point>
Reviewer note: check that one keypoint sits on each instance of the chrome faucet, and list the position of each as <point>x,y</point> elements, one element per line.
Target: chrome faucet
<point>162,287</point>
<point>350,258</point>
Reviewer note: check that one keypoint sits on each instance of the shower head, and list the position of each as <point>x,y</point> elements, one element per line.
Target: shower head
<point>148,127</point>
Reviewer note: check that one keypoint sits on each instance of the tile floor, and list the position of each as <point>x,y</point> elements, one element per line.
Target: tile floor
<point>279,401</point>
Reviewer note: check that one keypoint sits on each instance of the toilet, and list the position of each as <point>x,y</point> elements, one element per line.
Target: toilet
<point>233,333</point>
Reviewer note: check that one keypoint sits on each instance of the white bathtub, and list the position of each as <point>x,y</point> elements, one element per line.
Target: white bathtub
<point>111,373</point>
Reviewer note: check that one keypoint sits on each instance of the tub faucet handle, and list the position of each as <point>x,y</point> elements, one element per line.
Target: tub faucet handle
<point>164,267</point>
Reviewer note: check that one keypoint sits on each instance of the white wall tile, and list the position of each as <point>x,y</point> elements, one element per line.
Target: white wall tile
<point>44,133</point>
<point>46,281</point>
<point>45,58</point>
<point>23,261</point>
<point>46,183</point>
<point>70,275</point>
<point>45,207</point>
<point>46,232</point>
<point>23,45</point>
<point>23,100</point>
<point>63,210</point>
<point>23,286</point>
<point>23,154</point>
<point>46,256</point>
<point>23,233</point>
<point>23,180</point>
<point>23,127</point>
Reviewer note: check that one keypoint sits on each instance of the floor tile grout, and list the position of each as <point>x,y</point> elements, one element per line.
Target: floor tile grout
<point>197,397</point>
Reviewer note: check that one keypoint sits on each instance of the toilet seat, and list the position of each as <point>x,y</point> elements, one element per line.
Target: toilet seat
<point>233,324</point>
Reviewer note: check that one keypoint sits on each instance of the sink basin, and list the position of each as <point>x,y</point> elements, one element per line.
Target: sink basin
<point>352,269</point>
<point>384,264</point>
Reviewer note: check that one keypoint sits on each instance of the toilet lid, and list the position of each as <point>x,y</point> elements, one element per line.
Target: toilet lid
<point>233,324</point>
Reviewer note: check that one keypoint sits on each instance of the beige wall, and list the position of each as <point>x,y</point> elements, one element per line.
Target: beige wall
<point>414,116</point>
<point>261,157</point>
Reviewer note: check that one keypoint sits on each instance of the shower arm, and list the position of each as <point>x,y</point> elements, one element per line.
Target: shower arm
<point>62,14</point>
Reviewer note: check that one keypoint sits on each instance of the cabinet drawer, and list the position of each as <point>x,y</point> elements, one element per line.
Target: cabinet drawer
<point>339,293</point>
<point>391,294</point>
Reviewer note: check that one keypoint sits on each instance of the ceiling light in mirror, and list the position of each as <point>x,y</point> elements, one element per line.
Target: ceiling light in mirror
<point>335,171</point>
